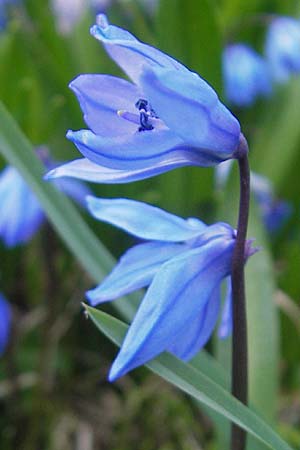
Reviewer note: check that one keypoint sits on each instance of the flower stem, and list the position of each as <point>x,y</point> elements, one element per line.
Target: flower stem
<point>239,385</point>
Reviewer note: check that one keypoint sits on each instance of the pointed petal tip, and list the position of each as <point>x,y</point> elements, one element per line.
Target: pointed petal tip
<point>69,134</point>
<point>90,296</point>
<point>73,84</point>
<point>112,377</point>
<point>101,25</point>
<point>89,202</point>
<point>116,371</point>
<point>102,21</point>
<point>50,175</point>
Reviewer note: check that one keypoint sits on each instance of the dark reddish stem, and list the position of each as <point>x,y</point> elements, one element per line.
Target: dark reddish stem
<point>239,385</point>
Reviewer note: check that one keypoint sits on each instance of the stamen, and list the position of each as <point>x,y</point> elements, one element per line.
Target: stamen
<point>144,122</point>
<point>142,104</point>
<point>147,113</point>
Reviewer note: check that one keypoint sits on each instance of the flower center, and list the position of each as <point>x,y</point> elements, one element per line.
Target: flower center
<point>147,117</point>
<point>146,112</point>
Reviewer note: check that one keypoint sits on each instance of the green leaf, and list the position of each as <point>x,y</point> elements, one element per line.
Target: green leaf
<point>189,31</point>
<point>196,384</point>
<point>263,323</point>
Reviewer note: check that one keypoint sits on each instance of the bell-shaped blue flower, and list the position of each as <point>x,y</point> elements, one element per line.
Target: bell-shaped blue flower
<point>5,322</point>
<point>69,12</point>
<point>4,5</point>
<point>21,214</point>
<point>282,48</point>
<point>183,262</point>
<point>246,75</point>
<point>274,212</point>
<point>167,117</point>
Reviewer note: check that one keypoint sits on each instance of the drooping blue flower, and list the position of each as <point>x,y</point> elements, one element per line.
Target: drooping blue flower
<point>274,212</point>
<point>4,5</point>
<point>21,214</point>
<point>167,117</point>
<point>183,262</point>
<point>282,48</point>
<point>246,75</point>
<point>69,12</point>
<point>5,322</point>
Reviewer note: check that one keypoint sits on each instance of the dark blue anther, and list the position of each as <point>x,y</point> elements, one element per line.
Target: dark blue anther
<point>146,112</point>
<point>144,121</point>
<point>142,104</point>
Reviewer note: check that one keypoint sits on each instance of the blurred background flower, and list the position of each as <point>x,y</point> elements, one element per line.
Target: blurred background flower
<point>4,9</point>
<point>69,12</point>
<point>246,75</point>
<point>275,212</point>
<point>5,322</point>
<point>21,213</point>
<point>282,48</point>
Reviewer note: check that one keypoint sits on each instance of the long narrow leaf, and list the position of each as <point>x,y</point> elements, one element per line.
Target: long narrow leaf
<point>196,384</point>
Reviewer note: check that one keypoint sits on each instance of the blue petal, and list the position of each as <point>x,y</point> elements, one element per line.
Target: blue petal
<point>135,270</point>
<point>84,169</point>
<point>225,327</point>
<point>218,229</point>
<point>144,221</point>
<point>20,212</point>
<point>5,322</point>
<point>222,172</point>
<point>195,335</point>
<point>129,53</point>
<point>100,98</point>
<point>192,110</point>
<point>136,151</point>
<point>178,294</point>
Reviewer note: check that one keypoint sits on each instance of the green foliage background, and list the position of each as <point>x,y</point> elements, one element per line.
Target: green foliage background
<point>53,389</point>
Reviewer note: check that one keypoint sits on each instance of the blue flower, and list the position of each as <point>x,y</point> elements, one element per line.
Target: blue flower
<point>21,214</point>
<point>274,212</point>
<point>282,48</point>
<point>168,117</point>
<point>5,322</point>
<point>69,12</point>
<point>183,262</point>
<point>4,4</point>
<point>246,75</point>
